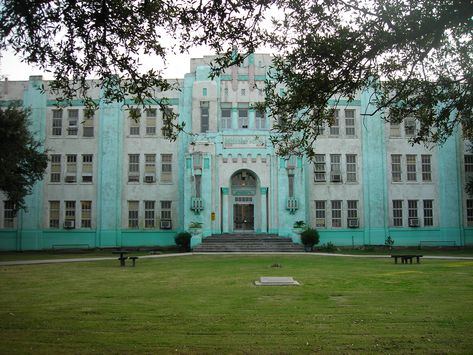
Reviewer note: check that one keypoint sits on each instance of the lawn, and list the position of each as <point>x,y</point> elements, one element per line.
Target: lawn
<point>208,304</point>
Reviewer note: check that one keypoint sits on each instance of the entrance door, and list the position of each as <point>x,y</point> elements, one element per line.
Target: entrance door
<point>243,217</point>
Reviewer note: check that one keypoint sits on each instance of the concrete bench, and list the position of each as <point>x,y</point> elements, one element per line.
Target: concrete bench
<point>405,258</point>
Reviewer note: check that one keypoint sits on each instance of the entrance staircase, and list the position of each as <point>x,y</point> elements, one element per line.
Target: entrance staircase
<point>247,243</point>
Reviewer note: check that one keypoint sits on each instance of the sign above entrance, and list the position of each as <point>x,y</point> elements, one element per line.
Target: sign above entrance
<point>232,142</point>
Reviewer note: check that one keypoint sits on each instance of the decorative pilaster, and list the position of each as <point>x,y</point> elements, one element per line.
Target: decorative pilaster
<point>264,209</point>
<point>225,204</point>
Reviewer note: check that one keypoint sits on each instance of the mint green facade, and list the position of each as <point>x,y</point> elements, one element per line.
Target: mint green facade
<point>224,174</point>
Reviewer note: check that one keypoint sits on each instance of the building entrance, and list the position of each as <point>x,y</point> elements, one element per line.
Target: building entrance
<point>243,217</point>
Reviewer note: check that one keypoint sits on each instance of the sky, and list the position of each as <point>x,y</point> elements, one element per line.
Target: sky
<point>12,68</point>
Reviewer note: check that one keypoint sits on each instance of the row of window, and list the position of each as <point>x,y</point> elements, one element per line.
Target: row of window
<point>335,173</point>
<point>409,131</point>
<point>342,125</point>
<point>70,214</point>
<point>69,172</point>
<point>411,162</point>
<point>149,175</point>
<point>66,123</point>
<point>150,122</point>
<point>226,118</point>
<point>336,208</point>
<point>413,217</point>
<point>144,214</point>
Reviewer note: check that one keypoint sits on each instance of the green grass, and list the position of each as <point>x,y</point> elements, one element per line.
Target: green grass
<point>208,304</point>
<point>72,254</point>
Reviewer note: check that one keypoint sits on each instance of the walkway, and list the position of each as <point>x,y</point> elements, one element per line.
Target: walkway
<point>76,260</point>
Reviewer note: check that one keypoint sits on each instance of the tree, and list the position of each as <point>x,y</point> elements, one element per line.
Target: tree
<point>415,55</point>
<point>23,161</point>
<point>105,39</point>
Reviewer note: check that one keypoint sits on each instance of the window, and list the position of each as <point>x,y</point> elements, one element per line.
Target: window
<point>198,185</point>
<point>88,127</point>
<point>204,116</point>
<point>394,129</point>
<point>73,119</point>
<point>260,119</point>
<point>411,167</point>
<point>226,115</point>
<point>469,212</point>
<point>133,214</point>
<point>87,167</point>
<point>350,122</point>
<point>336,214</point>
<point>412,211</point>
<point>351,167</point>
<point>320,214</point>
<point>468,163</point>
<point>168,116</point>
<point>335,174</point>
<point>150,168</point>
<point>242,118</point>
<point>8,214</point>
<point>55,168</point>
<point>135,115</point>
<point>57,123</point>
<point>334,127</point>
<point>397,213</point>
<point>70,216</point>
<point>151,122</point>
<point>197,160</point>
<point>410,127</point>
<point>204,91</point>
<point>71,168</point>
<point>166,210</point>
<point>426,168</point>
<point>166,167</point>
<point>428,213</point>
<point>149,214</point>
<point>86,214</point>
<point>319,167</point>
<point>54,209</point>
<point>396,167</point>
<point>320,128</point>
<point>290,179</point>
<point>352,209</point>
<point>243,92</point>
<point>133,167</point>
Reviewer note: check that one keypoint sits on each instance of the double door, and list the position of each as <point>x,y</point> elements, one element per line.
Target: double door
<point>244,217</point>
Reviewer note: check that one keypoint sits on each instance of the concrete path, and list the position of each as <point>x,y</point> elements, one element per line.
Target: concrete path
<point>76,260</point>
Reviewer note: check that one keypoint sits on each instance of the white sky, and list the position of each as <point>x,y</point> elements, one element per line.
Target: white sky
<point>177,65</point>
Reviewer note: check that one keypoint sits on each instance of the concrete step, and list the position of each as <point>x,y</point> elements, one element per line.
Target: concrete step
<point>248,243</point>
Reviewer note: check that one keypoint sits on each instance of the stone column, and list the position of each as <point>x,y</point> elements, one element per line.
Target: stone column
<point>225,204</point>
<point>264,209</point>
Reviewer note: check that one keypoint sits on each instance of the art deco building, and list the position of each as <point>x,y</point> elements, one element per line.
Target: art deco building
<point>113,181</point>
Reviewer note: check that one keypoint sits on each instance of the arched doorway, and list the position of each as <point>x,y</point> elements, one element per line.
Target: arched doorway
<point>244,192</point>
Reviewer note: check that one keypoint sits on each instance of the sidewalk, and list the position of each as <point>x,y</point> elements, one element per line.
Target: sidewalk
<point>77,260</point>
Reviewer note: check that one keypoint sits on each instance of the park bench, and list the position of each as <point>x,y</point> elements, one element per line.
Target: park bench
<point>405,258</point>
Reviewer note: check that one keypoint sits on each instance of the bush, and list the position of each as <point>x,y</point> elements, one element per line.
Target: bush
<point>183,241</point>
<point>309,238</point>
<point>329,247</point>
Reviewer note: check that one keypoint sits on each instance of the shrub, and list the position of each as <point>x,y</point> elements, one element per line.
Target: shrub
<point>309,238</point>
<point>329,247</point>
<point>389,242</point>
<point>183,241</point>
